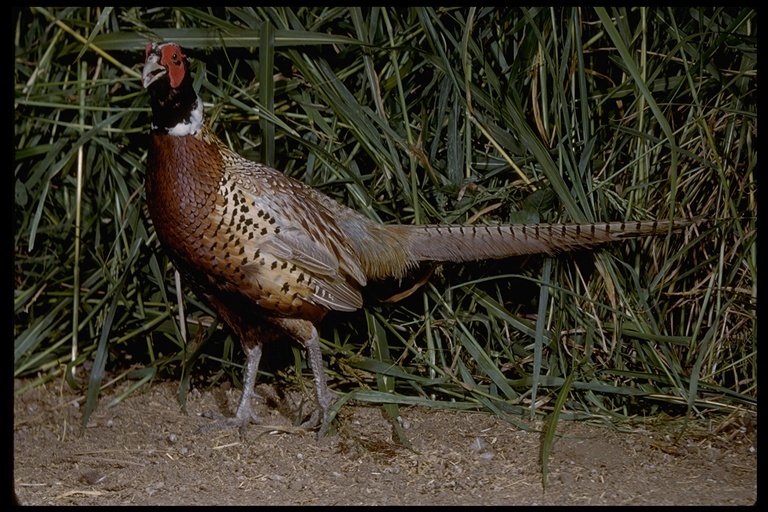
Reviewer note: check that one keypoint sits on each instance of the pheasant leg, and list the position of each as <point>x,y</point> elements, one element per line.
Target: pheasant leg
<point>244,412</point>
<point>322,415</point>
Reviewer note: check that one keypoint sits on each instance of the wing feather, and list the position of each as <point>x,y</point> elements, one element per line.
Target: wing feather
<point>303,233</point>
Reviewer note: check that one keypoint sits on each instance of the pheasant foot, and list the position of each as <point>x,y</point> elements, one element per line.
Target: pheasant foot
<point>244,414</point>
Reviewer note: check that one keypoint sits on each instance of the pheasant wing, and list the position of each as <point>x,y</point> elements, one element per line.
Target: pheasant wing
<point>302,254</point>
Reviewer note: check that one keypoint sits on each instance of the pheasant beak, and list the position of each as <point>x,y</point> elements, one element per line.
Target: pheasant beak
<point>152,71</point>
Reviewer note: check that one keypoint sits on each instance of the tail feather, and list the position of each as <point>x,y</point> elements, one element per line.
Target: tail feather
<point>470,242</point>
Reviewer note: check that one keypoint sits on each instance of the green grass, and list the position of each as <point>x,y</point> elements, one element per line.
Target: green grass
<point>414,116</point>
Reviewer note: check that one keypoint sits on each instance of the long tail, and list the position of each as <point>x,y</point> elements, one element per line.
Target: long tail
<point>390,250</point>
<point>467,243</point>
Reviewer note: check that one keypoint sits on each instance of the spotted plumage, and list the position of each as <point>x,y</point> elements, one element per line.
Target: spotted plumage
<point>273,255</point>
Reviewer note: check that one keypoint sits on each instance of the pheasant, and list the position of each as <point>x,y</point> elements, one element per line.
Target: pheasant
<point>272,255</point>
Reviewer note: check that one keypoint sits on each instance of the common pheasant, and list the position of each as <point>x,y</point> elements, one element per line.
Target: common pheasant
<point>272,256</point>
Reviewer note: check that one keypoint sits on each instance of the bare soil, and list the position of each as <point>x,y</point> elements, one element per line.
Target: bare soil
<point>145,451</point>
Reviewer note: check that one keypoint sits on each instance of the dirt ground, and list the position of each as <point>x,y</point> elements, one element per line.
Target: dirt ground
<point>145,451</point>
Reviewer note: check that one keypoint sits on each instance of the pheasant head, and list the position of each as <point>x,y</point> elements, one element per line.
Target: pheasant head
<point>176,107</point>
